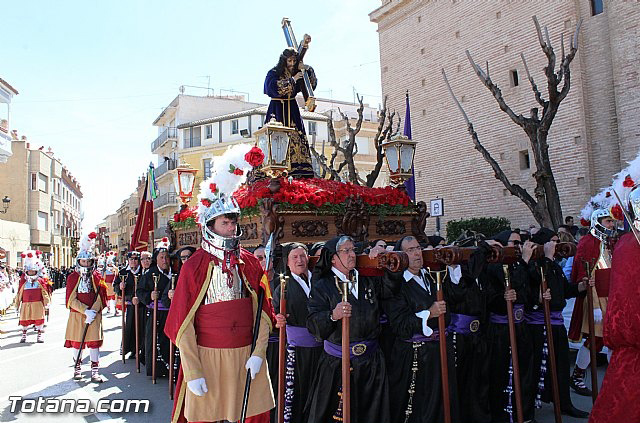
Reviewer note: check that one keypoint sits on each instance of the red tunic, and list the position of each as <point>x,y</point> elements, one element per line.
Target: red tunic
<point>94,340</point>
<point>588,250</point>
<point>617,401</point>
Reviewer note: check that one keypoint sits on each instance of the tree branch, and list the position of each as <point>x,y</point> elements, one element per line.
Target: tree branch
<point>499,174</point>
<point>497,94</point>
<point>534,87</point>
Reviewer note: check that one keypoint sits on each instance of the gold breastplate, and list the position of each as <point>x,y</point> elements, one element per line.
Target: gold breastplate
<point>604,259</point>
<point>220,289</point>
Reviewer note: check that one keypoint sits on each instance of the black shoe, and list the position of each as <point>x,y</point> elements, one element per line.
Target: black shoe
<point>574,412</point>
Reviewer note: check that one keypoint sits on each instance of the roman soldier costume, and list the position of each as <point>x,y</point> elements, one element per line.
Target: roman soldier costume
<point>33,296</point>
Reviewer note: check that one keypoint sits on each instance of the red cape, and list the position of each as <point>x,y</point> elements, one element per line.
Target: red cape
<point>617,401</point>
<point>72,281</point>
<point>588,251</point>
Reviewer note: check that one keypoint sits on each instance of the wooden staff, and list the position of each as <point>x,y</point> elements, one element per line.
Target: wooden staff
<point>154,331</point>
<point>443,352</point>
<point>552,351</point>
<point>592,335</point>
<point>346,360</point>
<point>123,305</point>
<point>136,323</point>
<point>282,341</point>
<point>172,349</point>
<point>514,348</point>
<point>256,329</point>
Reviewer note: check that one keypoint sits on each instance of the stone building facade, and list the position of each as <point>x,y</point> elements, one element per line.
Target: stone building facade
<point>595,133</point>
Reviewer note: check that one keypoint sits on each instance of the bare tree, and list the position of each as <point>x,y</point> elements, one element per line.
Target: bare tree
<point>545,202</point>
<point>347,150</point>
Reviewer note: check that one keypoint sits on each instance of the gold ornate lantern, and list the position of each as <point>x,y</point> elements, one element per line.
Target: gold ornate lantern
<point>273,139</point>
<point>184,181</point>
<point>399,153</point>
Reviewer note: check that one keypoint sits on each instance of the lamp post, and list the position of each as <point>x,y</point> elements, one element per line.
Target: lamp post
<point>5,204</point>
<point>399,153</point>
<point>184,181</point>
<point>273,139</point>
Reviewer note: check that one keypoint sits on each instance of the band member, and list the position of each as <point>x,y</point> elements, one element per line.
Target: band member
<point>150,288</point>
<point>369,386</point>
<point>558,289</point>
<point>214,307</point>
<point>33,296</point>
<point>86,297</point>
<point>501,393</point>
<point>125,282</point>
<point>414,363</point>
<point>303,350</point>
<point>466,304</point>
<point>617,400</point>
<point>282,84</point>
<point>595,249</point>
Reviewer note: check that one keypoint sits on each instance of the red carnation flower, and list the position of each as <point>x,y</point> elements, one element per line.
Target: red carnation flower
<point>22,255</point>
<point>238,171</point>
<point>213,187</point>
<point>165,239</point>
<point>93,235</point>
<point>206,202</point>
<point>628,182</point>
<point>607,195</point>
<point>616,212</point>
<point>254,157</point>
<point>584,222</point>
<point>29,255</point>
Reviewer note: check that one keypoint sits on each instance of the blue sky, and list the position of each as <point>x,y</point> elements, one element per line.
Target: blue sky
<point>93,76</point>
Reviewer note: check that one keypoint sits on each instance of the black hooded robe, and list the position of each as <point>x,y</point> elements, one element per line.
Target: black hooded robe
<point>126,275</point>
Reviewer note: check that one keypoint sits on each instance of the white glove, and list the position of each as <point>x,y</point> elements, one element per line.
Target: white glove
<point>424,315</point>
<point>597,315</point>
<point>253,365</point>
<point>91,314</point>
<point>198,386</point>
<point>455,273</point>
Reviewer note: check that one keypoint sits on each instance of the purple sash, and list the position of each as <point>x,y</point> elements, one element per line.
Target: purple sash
<point>464,324</point>
<point>274,338</point>
<point>299,336</point>
<point>383,319</point>
<point>359,349</point>
<point>419,337</point>
<point>161,307</point>
<point>537,318</point>
<point>518,315</point>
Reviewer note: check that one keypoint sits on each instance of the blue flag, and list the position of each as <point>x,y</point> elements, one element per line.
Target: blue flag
<point>410,185</point>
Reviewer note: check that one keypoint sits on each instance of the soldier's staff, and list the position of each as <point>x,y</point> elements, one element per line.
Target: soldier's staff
<point>171,349</point>
<point>154,330</point>
<point>514,348</point>
<point>443,351</point>
<point>136,323</point>
<point>282,341</point>
<point>552,351</point>
<point>592,333</point>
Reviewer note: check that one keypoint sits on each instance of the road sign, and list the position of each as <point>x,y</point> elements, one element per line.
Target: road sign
<point>437,207</point>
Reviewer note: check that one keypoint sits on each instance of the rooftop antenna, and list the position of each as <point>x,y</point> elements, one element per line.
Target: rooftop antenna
<point>208,84</point>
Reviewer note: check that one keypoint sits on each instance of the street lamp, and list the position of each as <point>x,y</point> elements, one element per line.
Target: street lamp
<point>5,204</point>
<point>399,152</point>
<point>273,140</point>
<point>183,181</point>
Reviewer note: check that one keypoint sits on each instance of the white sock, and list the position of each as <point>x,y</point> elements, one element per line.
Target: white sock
<point>94,354</point>
<point>583,358</point>
<point>40,327</point>
<point>75,354</point>
<point>112,305</point>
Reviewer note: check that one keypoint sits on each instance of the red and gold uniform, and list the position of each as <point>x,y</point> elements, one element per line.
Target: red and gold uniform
<point>213,328</point>
<point>32,299</point>
<point>83,295</point>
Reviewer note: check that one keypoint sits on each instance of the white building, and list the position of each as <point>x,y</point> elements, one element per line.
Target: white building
<point>6,94</point>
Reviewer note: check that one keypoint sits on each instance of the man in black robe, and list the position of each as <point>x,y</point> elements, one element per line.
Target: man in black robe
<point>303,350</point>
<point>466,302</point>
<point>369,387</point>
<point>124,281</point>
<point>146,295</point>
<point>558,289</point>
<point>501,387</point>
<point>414,365</point>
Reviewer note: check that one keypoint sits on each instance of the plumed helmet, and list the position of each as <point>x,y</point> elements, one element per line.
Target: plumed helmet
<point>86,251</point>
<point>597,229</point>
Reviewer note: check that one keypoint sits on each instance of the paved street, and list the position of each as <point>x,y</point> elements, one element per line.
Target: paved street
<point>34,370</point>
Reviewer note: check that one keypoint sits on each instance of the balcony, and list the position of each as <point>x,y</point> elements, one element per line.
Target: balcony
<point>165,200</point>
<point>165,167</point>
<point>170,133</point>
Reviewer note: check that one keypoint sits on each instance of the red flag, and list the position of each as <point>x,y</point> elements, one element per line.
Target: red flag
<point>144,223</point>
